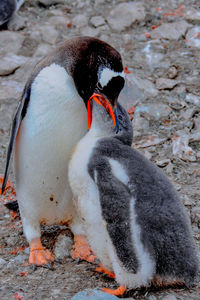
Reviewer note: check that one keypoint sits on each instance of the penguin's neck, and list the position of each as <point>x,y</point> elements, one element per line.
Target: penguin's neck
<point>102,124</point>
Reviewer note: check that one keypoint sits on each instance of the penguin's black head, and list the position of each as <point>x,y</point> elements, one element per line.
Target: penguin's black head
<point>98,69</point>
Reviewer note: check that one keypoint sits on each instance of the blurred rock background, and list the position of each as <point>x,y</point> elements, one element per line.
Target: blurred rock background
<point>160,44</point>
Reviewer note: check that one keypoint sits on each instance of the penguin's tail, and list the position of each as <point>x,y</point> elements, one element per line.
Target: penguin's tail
<point>13,205</point>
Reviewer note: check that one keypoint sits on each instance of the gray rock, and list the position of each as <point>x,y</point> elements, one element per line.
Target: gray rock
<point>10,42</point>
<point>170,31</point>
<point>10,63</point>
<point>10,89</point>
<point>49,34</point>
<point>59,21</point>
<point>172,72</point>
<point>63,247</point>
<point>165,83</point>
<point>169,297</point>
<point>89,31</point>
<point>193,99</point>
<point>90,294</point>
<point>17,23</point>
<point>140,125</point>
<point>193,37</point>
<point>42,50</point>
<point>154,111</point>
<point>2,262</point>
<point>192,14</point>
<point>125,14</point>
<point>51,2</point>
<point>80,21</point>
<point>17,260</point>
<point>97,21</point>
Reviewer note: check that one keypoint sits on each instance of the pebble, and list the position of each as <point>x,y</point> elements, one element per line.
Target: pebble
<point>193,37</point>
<point>80,21</point>
<point>170,31</point>
<point>193,99</point>
<point>172,72</point>
<point>2,262</point>
<point>10,42</point>
<point>169,297</point>
<point>165,83</point>
<point>10,89</point>
<point>192,14</point>
<point>97,21</point>
<point>17,23</point>
<point>42,50</point>
<point>90,294</point>
<point>10,63</point>
<point>125,14</point>
<point>154,111</point>
<point>89,31</point>
<point>63,247</point>
<point>49,34</point>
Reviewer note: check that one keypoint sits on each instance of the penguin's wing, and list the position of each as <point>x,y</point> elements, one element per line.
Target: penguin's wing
<point>115,197</point>
<point>21,111</point>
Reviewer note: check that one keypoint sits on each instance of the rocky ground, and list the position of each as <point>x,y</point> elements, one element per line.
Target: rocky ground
<point>160,44</point>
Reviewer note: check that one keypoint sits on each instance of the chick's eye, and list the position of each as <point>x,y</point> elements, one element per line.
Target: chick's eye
<point>99,86</point>
<point>120,117</point>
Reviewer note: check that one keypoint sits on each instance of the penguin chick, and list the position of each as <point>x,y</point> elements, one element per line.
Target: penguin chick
<point>8,8</point>
<point>131,213</point>
<point>50,120</point>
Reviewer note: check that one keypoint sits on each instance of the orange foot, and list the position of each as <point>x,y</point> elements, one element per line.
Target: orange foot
<point>101,269</point>
<point>81,249</point>
<point>118,292</point>
<point>39,256</point>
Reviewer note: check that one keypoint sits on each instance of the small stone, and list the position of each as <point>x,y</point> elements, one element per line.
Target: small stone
<point>10,42</point>
<point>59,21</point>
<point>49,34</point>
<point>90,294</point>
<point>17,23</point>
<point>10,89</point>
<point>97,21</point>
<point>172,72</point>
<point>2,262</point>
<point>165,83</point>
<point>193,99</point>
<point>63,247</point>
<point>10,63</point>
<point>169,297</point>
<point>125,14</point>
<point>170,31</point>
<point>18,260</point>
<point>80,21</point>
<point>162,163</point>
<point>154,111</point>
<point>140,125</point>
<point>193,37</point>
<point>192,14</point>
<point>181,148</point>
<point>51,2</point>
<point>42,50</point>
<point>89,31</point>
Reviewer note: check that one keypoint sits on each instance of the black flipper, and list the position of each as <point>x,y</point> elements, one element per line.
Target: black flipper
<point>20,113</point>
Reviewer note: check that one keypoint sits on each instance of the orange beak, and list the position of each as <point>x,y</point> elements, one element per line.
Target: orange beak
<point>103,102</point>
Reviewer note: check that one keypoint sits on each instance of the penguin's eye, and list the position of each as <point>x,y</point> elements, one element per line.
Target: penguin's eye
<point>99,86</point>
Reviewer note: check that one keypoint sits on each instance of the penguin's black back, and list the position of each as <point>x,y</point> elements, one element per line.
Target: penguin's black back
<point>165,227</point>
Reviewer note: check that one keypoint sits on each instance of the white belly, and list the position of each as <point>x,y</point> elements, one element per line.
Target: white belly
<point>86,199</point>
<point>56,119</point>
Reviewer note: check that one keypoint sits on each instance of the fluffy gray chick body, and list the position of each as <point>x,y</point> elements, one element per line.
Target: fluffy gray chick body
<point>132,215</point>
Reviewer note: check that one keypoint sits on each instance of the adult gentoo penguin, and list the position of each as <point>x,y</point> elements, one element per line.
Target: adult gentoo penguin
<point>50,120</point>
<point>131,213</point>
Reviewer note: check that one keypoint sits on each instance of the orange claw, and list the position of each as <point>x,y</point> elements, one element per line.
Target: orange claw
<point>38,254</point>
<point>101,269</point>
<point>118,292</point>
<point>81,249</point>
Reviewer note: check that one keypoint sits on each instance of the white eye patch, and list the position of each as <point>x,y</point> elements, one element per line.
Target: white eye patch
<point>107,74</point>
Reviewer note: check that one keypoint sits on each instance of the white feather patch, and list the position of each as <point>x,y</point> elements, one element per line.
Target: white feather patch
<point>107,74</point>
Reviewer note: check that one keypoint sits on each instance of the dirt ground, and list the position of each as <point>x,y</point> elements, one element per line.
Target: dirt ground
<point>161,50</point>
